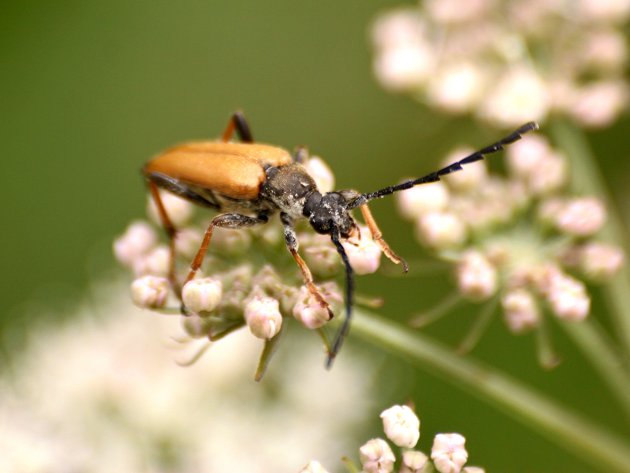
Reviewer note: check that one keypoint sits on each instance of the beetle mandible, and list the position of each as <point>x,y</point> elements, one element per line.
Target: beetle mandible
<point>247,182</point>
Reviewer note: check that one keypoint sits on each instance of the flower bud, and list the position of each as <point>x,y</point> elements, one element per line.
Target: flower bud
<point>413,461</point>
<point>520,310</point>
<point>321,173</point>
<point>309,311</point>
<point>364,254</point>
<point>581,216</point>
<point>441,230</point>
<point>138,239</point>
<point>313,467</point>
<point>179,210</point>
<point>202,295</point>
<point>150,292</point>
<point>420,200</point>
<point>476,276</point>
<point>263,317</point>
<point>448,453</point>
<point>568,297</point>
<point>377,457</point>
<point>474,175</point>
<point>401,426</point>
<point>599,261</point>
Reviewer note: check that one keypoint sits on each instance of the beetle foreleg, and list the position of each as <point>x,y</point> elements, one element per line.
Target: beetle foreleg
<point>224,221</point>
<point>292,245</point>
<point>378,238</point>
<point>238,123</point>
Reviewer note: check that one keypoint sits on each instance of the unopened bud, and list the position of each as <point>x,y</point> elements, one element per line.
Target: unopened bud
<point>449,453</point>
<point>420,200</point>
<point>581,217</point>
<point>364,254</point>
<point>476,276</point>
<point>263,317</point>
<point>150,292</point>
<point>202,295</point>
<point>413,461</point>
<point>441,230</point>
<point>313,467</point>
<point>377,456</point>
<point>178,210</point>
<point>520,310</point>
<point>309,310</point>
<point>599,261</point>
<point>138,239</point>
<point>401,426</point>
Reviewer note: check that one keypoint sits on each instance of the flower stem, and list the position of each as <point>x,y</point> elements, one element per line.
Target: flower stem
<point>587,179</point>
<point>578,435</point>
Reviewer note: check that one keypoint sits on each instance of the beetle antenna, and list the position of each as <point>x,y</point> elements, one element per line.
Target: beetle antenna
<point>345,327</point>
<point>457,166</point>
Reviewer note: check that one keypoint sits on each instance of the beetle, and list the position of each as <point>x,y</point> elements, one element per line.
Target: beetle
<point>247,182</point>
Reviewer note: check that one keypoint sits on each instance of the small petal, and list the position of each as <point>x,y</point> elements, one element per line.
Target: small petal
<point>377,456</point>
<point>150,292</point>
<point>401,426</point>
<point>448,453</point>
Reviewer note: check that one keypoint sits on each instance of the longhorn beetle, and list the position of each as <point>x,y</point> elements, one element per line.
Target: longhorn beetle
<point>247,182</point>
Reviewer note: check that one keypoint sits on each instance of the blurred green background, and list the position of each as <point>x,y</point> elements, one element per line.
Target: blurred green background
<point>91,90</point>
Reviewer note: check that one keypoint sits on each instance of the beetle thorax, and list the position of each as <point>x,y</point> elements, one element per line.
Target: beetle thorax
<point>288,187</point>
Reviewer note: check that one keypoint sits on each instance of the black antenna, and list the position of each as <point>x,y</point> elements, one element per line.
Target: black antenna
<point>457,166</point>
<point>345,327</point>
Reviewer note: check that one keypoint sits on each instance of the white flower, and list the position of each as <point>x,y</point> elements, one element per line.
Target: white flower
<point>448,453</point>
<point>581,216</point>
<point>377,456</point>
<point>401,425</point>
<point>313,467</point>
<point>263,317</point>
<point>364,253</point>
<point>179,210</point>
<point>476,276</point>
<point>413,461</point>
<point>441,229</point>
<point>520,95</point>
<point>202,295</point>
<point>308,309</point>
<point>456,87</point>
<point>138,239</point>
<point>600,261</point>
<point>422,199</point>
<point>520,310</point>
<point>150,292</point>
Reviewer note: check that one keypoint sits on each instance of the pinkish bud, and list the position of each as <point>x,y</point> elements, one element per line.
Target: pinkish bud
<point>150,292</point>
<point>449,453</point>
<point>377,457</point>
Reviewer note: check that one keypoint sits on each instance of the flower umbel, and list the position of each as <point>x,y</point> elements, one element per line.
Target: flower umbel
<point>521,237</point>
<point>507,62</point>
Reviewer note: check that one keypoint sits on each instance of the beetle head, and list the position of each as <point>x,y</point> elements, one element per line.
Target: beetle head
<point>329,214</point>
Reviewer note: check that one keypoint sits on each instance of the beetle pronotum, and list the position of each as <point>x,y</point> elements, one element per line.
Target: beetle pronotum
<point>247,182</point>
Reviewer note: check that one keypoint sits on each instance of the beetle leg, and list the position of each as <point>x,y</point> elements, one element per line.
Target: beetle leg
<point>238,123</point>
<point>292,245</point>
<point>378,238</point>
<point>223,221</point>
<point>171,232</point>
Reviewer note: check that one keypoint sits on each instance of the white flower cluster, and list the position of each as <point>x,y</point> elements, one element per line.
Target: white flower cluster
<point>508,62</point>
<point>520,237</point>
<point>248,277</point>
<point>402,427</point>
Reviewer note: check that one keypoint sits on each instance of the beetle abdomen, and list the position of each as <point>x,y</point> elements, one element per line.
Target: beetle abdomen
<point>231,169</point>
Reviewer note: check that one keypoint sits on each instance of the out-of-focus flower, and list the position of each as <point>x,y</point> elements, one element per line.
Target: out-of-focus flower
<point>313,467</point>
<point>202,295</point>
<point>520,237</point>
<point>116,401</point>
<point>413,461</point>
<point>508,62</point>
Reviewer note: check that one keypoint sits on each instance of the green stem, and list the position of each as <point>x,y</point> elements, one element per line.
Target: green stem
<point>587,179</point>
<point>601,353</point>
<point>576,434</point>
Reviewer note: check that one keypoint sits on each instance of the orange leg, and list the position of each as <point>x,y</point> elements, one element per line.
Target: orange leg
<point>378,238</point>
<point>171,232</point>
